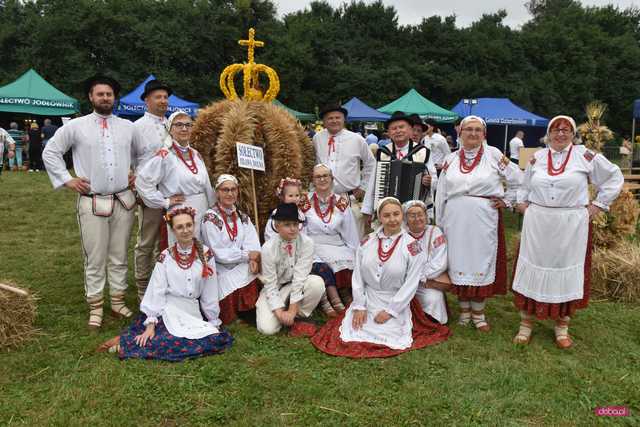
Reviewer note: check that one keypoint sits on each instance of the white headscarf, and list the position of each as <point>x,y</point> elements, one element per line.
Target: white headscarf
<point>470,118</point>
<point>561,117</point>
<point>168,140</point>
<point>224,178</point>
<point>412,204</point>
<point>384,201</point>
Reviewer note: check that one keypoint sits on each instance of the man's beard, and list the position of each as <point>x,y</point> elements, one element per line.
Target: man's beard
<point>104,108</point>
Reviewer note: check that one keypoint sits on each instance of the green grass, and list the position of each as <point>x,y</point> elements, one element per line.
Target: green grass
<point>471,379</point>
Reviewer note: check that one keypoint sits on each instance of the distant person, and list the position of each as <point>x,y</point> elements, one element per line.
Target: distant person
<point>516,143</point>
<point>371,138</point>
<point>437,144</point>
<point>626,149</point>
<point>15,162</point>
<point>35,148</point>
<point>419,128</point>
<point>48,130</point>
<point>6,144</point>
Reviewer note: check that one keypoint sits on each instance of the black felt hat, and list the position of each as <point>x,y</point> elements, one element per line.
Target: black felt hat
<point>418,121</point>
<point>396,117</point>
<point>286,212</point>
<point>333,107</point>
<point>155,85</point>
<point>101,79</point>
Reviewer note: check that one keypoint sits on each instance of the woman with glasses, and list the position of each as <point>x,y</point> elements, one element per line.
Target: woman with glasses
<point>469,200</point>
<point>233,238</point>
<point>177,175</point>
<point>552,272</point>
<point>332,227</point>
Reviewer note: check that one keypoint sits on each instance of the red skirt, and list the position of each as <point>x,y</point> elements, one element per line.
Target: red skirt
<point>499,285</point>
<point>343,279</point>
<point>243,299</point>
<point>545,310</point>
<point>425,333</point>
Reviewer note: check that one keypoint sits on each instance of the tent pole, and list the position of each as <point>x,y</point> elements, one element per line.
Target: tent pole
<point>506,131</point>
<point>633,132</point>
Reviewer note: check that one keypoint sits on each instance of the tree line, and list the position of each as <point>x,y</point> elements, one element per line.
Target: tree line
<point>565,56</point>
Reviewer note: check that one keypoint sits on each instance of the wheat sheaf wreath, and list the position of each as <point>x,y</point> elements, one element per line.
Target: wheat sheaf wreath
<point>287,149</point>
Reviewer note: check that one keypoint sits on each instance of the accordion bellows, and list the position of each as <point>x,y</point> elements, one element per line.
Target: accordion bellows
<point>287,149</point>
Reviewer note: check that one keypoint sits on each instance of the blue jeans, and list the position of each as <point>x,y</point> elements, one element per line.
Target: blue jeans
<point>17,159</point>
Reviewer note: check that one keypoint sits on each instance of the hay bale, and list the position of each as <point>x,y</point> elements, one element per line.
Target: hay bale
<point>17,315</point>
<point>619,223</point>
<point>615,272</point>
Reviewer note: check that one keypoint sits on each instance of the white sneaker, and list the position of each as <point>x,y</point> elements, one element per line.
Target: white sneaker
<point>30,170</point>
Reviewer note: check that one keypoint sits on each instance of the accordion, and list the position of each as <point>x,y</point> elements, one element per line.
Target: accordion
<point>397,178</point>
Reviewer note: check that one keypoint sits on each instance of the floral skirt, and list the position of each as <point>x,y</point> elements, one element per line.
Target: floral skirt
<point>341,279</point>
<point>424,332</point>
<point>164,346</point>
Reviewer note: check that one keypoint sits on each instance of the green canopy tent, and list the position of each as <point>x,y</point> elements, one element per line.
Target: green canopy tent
<point>307,117</point>
<point>414,103</point>
<point>31,94</point>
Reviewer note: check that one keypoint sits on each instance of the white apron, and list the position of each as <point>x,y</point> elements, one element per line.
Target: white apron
<point>552,254</point>
<point>471,227</point>
<point>231,278</point>
<point>183,319</point>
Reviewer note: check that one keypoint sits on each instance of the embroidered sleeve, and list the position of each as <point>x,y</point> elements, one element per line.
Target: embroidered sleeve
<point>532,161</point>
<point>414,248</point>
<point>504,162</point>
<point>161,257</point>
<point>342,203</point>
<point>163,152</point>
<point>244,218</point>
<point>209,254</point>
<point>589,155</point>
<point>439,241</point>
<point>214,219</point>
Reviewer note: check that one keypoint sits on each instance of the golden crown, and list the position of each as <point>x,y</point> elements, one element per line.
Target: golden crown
<point>251,75</point>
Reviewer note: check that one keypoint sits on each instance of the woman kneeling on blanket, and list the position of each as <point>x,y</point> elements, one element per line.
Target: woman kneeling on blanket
<point>183,285</point>
<point>384,319</point>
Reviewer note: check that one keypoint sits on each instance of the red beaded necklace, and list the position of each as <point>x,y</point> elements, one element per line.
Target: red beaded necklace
<point>553,171</point>
<point>184,261</point>
<point>463,166</point>
<point>192,166</point>
<point>326,214</point>
<point>384,256</point>
<point>420,236</point>
<point>232,232</point>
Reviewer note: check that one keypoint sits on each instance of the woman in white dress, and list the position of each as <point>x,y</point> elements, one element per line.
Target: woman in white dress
<point>289,191</point>
<point>183,288</point>
<point>381,321</point>
<point>234,239</point>
<point>434,281</point>
<point>552,271</point>
<point>176,176</point>
<point>469,200</point>
<point>333,229</point>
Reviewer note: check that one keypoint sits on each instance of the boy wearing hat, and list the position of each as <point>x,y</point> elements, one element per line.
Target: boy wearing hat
<point>104,147</point>
<point>344,152</point>
<point>153,132</point>
<point>286,267</point>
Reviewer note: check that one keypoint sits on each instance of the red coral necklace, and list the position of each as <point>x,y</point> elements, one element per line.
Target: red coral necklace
<point>192,166</point>
<point>184,261</point>
<point>232,232</point>
<point>326,214</point>
<point>383,255</point>
<point>463,166</point>
<point>557,171</point>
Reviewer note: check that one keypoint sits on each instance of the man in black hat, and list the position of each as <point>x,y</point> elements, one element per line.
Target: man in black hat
<point>152,129</point>
<point>290,290</point>
<point>105,148</point>
<point>400,129</point>
<point>348,156</point>
<point>437,144</point>
<point>419,128</point>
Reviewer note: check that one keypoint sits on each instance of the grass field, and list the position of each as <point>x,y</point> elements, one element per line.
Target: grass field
<point>471,379</point>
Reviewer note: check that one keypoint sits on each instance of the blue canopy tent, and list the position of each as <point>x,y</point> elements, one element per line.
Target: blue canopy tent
<point>499,111</point>
<point>132,105</point>
<point>358,111</point>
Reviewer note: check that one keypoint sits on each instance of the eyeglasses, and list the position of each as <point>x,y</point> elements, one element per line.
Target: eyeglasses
<point>561,130</point>
<point>228,190</point>
<point>472,130</point>
<point>182,125</point>
<point>320,177</point>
